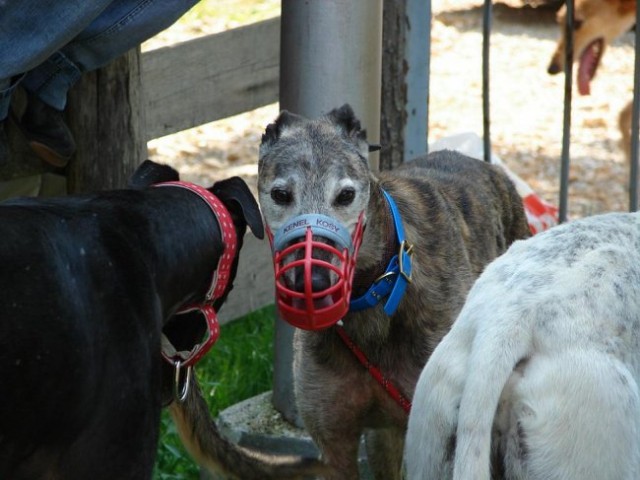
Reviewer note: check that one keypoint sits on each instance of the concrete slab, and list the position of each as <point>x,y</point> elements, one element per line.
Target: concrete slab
<point>254,423</point>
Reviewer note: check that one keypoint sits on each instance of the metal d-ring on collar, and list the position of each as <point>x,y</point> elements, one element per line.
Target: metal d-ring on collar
<point>181,393</point>
<point>393,282</point>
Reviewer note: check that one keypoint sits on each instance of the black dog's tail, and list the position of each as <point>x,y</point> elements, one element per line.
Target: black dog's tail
<point>202,439</point>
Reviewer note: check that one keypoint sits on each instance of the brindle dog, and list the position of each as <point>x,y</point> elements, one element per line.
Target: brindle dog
<point>459,213</point>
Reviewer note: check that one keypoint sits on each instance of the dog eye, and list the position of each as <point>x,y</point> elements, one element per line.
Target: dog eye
<point>280,196</point>
<point>345,197</point>
<point>577,23</point>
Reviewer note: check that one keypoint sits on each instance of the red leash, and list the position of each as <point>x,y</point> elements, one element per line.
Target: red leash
<point>375,371</point>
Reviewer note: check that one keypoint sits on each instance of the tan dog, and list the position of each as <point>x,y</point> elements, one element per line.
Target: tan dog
<point>458,214</point>
<point>597,24</point>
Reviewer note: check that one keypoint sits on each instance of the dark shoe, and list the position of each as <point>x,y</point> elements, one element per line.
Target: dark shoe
<point>48,135</point>
<point>4,144</point>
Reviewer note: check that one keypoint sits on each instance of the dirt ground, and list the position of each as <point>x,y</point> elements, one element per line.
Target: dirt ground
<point>526,108</point>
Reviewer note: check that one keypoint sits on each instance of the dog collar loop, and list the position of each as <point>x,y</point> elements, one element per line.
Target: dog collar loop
<point>219,281</point>
<point>190,357</point>
<point>393,282</point>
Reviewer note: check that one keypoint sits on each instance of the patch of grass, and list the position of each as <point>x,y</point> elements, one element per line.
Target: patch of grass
<point>238,12</point>
<point>239,366</point>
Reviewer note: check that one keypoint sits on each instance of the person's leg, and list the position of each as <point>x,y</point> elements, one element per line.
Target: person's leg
<point>30,31</point>
<point>123,25</point>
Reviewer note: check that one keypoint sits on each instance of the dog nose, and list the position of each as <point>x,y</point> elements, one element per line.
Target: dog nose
<point>319,279</point>
<point>553,68</point>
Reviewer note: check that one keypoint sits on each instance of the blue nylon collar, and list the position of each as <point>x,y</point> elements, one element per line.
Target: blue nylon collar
<point>393,282</point>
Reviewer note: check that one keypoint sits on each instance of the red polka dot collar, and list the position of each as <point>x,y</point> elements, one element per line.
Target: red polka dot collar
<point>219,281</point>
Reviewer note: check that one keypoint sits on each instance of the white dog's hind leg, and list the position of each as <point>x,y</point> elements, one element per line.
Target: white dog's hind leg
<point>575,417</point>
<point>497,350</point>
<point>430,441</point>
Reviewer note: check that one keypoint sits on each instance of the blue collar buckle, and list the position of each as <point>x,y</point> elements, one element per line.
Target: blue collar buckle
<point>393,282</point>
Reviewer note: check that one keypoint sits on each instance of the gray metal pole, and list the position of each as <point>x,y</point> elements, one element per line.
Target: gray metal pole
<point>486,104</point>
<point>330,54</point>
<point>418,58</point>
<point>635,108</point>
<point>566,119</point>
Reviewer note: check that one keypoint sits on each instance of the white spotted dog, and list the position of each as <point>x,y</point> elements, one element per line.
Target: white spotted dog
<point>538,377</point>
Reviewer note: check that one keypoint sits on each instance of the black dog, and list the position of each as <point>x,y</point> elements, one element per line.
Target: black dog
<point>86,285</point>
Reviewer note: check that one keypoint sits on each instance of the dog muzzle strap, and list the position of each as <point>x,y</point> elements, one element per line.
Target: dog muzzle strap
<point>320,225</point>
<point>393,283</point>
<point>314,260</point>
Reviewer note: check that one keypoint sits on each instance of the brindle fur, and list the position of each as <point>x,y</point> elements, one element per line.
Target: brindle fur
<point>458,212</point>
<point>201,437</point>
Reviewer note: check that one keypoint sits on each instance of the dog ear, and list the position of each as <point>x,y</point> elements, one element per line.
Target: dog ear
<point>346,119</point>
<point>150,172</point>
<point>274,130</point>
<point>235,194</point>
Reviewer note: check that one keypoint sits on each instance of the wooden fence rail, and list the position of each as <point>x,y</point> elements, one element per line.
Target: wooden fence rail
<point>211,78</point>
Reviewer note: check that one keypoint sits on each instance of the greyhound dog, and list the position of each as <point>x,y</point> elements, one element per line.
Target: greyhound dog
<point>87,284</point>
<point>538,377</point>
<point>414,238</point>
<point>597,23</point>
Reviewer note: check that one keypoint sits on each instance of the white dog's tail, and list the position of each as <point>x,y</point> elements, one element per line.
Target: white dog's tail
<point>469,369</point>
<point>497,349</point>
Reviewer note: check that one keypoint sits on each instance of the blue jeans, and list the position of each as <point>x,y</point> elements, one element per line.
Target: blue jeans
<point>45,45</point>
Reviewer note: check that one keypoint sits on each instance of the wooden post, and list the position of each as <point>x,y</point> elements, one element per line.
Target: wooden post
<point>405,81</point>
<point>107,118</point>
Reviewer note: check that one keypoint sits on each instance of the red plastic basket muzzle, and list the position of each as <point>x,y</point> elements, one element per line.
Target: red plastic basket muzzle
<point>307,248</point>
